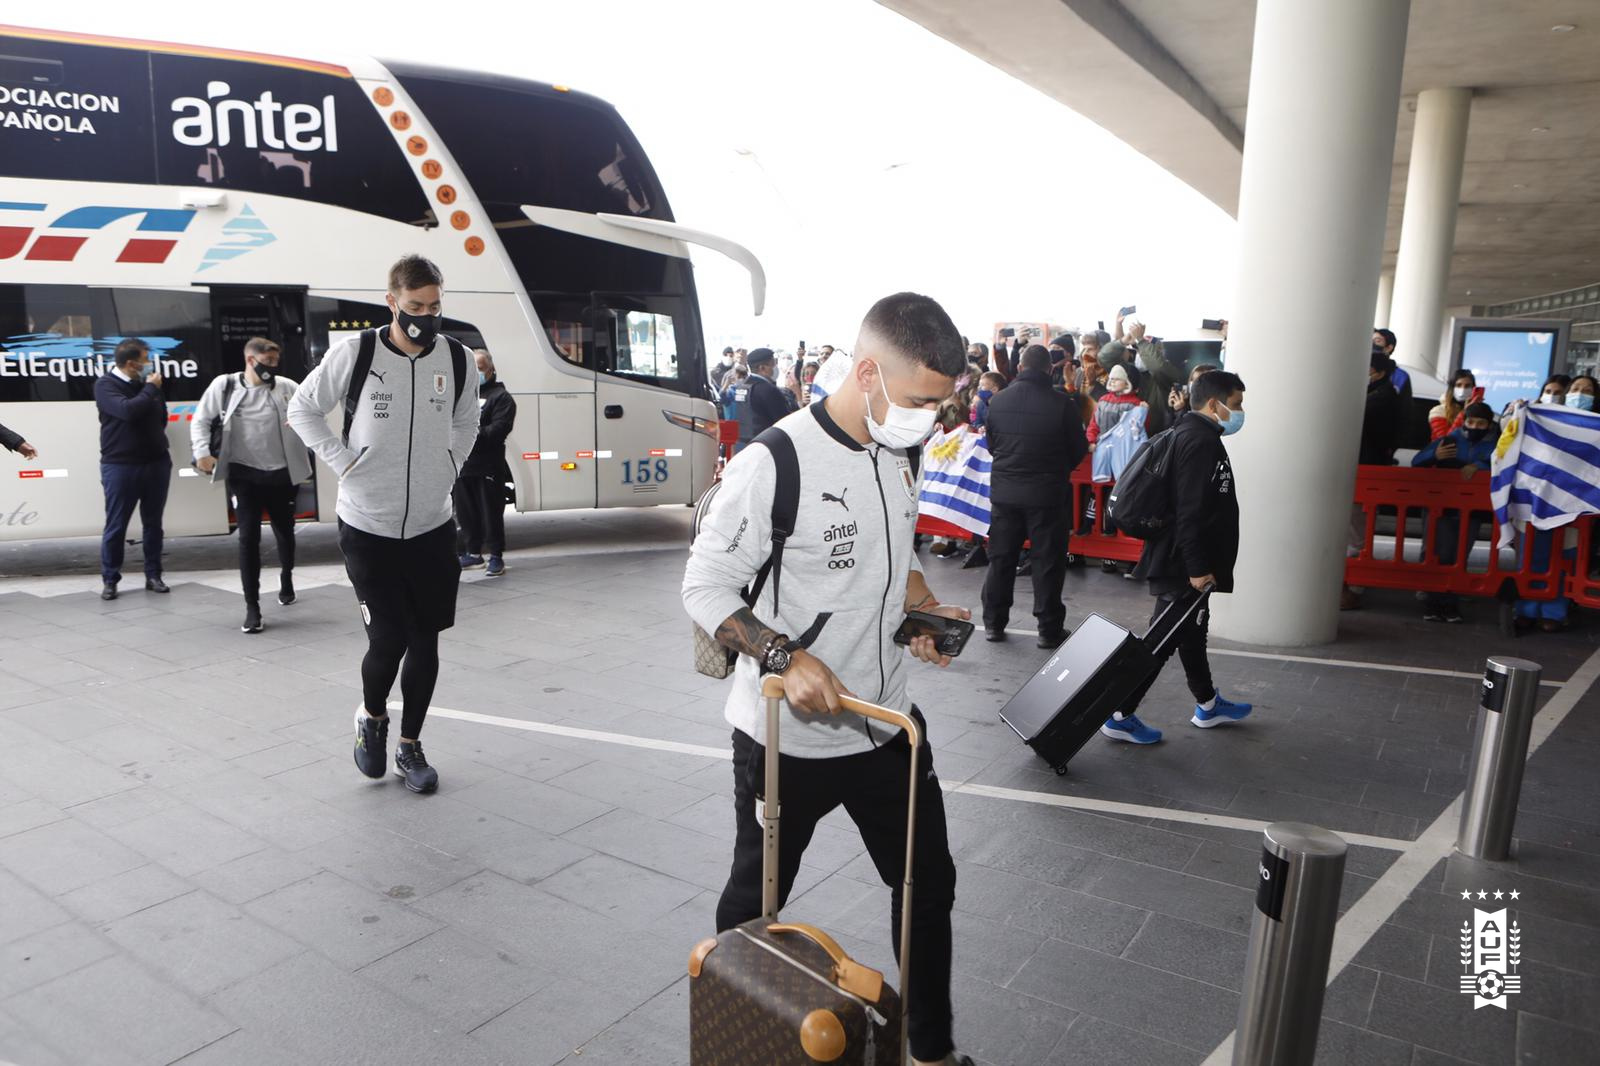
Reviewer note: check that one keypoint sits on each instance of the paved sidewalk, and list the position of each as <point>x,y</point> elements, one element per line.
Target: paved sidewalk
<point>191,869</point>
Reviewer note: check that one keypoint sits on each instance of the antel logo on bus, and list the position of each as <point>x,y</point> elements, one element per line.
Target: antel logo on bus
<point>217,121</point>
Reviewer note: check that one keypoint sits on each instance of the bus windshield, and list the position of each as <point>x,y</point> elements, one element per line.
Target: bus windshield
<point>613,309</point>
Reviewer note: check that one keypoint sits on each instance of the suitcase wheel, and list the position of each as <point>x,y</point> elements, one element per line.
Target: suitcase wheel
<point>1061,771</point>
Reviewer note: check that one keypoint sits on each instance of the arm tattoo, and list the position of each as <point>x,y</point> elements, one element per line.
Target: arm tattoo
<point>923,604</point>
<point>744,632</point>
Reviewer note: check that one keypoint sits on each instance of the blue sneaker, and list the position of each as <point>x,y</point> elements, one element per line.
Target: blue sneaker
<point>470,562</point>
<point>1130,729</point>
<point>496,567</point>
<point>1221,713</point>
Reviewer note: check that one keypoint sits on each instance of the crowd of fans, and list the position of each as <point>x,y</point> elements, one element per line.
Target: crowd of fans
<point>1126,376</point>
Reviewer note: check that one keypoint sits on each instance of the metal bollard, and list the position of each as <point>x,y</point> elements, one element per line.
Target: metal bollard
<point>1286,971</point>
<point>1499,751</point>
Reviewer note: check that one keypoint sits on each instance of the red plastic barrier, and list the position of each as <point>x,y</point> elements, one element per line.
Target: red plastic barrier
<point>1392,559</point>
<point>727,437</point>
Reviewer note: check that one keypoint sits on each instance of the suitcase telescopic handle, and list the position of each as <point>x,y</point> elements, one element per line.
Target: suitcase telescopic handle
<point>772,692</point>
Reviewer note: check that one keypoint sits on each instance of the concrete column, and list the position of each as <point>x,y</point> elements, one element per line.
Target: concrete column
<point>1318,154</point>
<point>1428,227</point>
<point>1380,314</point>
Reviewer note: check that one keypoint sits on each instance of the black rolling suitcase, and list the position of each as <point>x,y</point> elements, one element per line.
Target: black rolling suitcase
<point>1091,677</point>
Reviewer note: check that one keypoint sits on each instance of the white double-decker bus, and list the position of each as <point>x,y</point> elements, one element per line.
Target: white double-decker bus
<point>196,197</point>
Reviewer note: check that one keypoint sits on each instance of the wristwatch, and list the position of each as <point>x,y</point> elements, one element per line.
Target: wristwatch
<point>778,654</point>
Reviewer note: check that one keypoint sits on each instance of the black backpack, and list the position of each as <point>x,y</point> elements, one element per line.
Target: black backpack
<point>216,425</point>
<point>1140,503</point>
<point>358,374</point>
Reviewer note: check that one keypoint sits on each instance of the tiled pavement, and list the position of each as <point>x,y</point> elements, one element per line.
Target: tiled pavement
<point>191,869</point>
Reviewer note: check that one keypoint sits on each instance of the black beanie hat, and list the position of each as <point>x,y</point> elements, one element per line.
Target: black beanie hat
<point>758,356</point>
<point>1479,410</point>
<point>1066,341</point>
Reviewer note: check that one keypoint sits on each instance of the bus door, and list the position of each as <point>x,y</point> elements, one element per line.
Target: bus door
<point>278,314</point>
<point>647,457</point>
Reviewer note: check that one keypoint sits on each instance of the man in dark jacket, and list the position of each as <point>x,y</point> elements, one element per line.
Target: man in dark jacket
<point>135,461</point>
<point>1036,439</point>
<point>1198,549</point>
<point>1380,426</point>
<point>480,488</point>
<point>758,403</point>
<point>1380,435</point>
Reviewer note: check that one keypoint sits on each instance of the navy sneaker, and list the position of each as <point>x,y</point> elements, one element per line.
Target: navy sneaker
<point>470,562</point>
<point>1220,713</point>
<point>496,568</point>
<point>1130,729</point>
<point>372,743</point>
<point>411,766</point>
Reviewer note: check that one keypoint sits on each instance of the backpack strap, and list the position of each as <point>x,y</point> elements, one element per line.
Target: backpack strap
<point>358,379</point>
<point>227,389</point>
<point>785,509</point>
<point>458,363</point>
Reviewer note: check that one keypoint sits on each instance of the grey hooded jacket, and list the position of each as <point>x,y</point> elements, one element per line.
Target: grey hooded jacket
<point>407,441</point>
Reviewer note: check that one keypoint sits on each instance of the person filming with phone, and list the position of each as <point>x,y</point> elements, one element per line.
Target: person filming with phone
<point>827,620</point>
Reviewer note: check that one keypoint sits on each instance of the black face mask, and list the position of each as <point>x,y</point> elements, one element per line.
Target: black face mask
<point>418,329</point>
<point>1477,435</point>
<point>266,373</point>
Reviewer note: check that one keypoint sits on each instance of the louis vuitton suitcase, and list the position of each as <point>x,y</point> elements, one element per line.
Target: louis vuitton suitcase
<point>1091,677</point>
<point>769,993</point>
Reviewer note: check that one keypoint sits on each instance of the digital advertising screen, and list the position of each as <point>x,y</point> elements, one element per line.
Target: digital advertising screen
<point>1510,364</point>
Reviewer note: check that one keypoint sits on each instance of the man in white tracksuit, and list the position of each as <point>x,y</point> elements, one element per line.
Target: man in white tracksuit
<point>413,424</point>
<point>259,458</point>
<point>848,577</point>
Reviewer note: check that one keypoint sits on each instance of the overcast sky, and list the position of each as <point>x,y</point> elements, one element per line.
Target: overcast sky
<point>854,152</point>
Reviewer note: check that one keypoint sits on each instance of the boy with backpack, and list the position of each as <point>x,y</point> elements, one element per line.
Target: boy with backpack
<point>1194,544</point>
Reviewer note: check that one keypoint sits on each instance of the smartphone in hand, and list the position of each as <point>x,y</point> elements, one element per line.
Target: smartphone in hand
<point>950,635</point>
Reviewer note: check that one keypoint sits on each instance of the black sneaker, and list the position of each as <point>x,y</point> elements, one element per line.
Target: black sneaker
<point>286,590</point>
<point>1452,615</point>
<point>372,743</point>
<point>155,584</point>
<point>1433,614</point>
<point>412,766</point>
<point>994,634</point>
<point>252,619</point>
<point>108,592</point>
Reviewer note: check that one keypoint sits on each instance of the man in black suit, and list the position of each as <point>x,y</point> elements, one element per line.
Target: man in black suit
<point>1036,438</point>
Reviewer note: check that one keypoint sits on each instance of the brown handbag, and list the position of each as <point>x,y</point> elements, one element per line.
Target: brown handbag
<point>781,994</point>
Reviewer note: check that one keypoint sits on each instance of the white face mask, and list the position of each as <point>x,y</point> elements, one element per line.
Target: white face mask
<point>902,427</point>
<point>1461,393</point>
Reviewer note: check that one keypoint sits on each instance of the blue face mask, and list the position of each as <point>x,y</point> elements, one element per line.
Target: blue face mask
<point>1233,424</point>
<point>1581,400</point>
<point>985,394</point>
<point>483,379</point>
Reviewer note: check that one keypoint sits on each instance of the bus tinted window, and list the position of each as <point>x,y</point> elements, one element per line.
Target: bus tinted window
<point>77,112</point>
<point>519,143</point>
<point>74,111</point>
<point>55,340</point>
<point>529,145</point>
<point>303,134</point>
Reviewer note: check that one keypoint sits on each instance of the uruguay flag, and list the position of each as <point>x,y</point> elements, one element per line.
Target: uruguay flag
<point>955,479</point>
<point>1546,468</point>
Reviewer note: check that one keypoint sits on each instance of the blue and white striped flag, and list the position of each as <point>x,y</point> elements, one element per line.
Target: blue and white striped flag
<point>955,479</point>
<point>1546,468</point>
